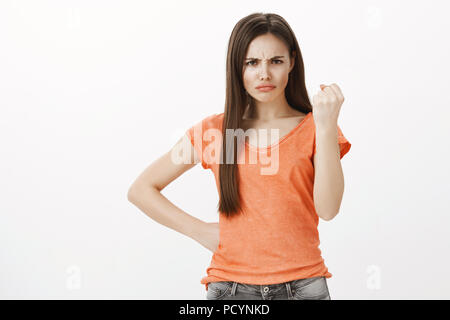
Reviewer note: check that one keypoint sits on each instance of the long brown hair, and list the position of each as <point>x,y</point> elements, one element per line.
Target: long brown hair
<point>237,99</point>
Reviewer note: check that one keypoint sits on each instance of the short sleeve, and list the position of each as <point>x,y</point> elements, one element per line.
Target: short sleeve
<point>201,141</point>
<point>344,144</point>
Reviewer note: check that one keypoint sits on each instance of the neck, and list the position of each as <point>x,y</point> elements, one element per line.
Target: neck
<point>270,110</point>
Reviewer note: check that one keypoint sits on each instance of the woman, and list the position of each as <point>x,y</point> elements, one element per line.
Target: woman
<point>267,245</point>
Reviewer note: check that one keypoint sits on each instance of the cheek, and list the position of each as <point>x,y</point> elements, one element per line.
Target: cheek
<point>248,78</point>
<point>283,76</point>
<point>280,79</point>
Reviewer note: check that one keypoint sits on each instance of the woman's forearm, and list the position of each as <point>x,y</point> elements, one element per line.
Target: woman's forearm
<point>329,178</point>
<point>156,206</point>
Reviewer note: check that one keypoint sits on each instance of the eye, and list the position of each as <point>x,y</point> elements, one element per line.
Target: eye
<point>249,63</point>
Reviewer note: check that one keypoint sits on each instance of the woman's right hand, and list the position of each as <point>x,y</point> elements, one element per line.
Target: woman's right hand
<point>209,236</point>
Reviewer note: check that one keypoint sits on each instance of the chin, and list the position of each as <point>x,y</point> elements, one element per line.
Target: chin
<point>265,96</point>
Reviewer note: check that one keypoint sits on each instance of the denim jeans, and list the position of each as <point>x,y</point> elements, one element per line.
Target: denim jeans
<point>314,288</point>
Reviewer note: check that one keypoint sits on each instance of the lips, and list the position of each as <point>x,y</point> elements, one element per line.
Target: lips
<point>265,86</point>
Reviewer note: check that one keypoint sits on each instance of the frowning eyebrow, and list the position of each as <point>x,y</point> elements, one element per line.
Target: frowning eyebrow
<point>276,57</point>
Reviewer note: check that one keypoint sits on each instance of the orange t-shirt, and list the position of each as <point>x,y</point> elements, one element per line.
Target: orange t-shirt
<point>275,239</point>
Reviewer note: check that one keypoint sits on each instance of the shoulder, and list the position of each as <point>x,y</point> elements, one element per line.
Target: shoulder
<point>213,121</point>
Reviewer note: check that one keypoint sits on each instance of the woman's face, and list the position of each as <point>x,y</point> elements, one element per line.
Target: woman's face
<point>267,62</point>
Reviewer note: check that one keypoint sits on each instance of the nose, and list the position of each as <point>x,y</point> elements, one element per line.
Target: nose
<point>264,73</point>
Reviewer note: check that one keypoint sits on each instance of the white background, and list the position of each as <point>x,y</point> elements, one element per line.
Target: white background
<point>91,92</point>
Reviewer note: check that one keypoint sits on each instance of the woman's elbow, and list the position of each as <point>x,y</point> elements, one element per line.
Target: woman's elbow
<point>133,192</point>
<point>327,217</point>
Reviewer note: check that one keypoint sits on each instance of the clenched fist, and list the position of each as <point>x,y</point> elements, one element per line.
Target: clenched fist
<point>326,105</point>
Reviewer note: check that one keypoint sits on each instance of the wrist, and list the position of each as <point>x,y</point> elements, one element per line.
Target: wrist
<point>326,129</point>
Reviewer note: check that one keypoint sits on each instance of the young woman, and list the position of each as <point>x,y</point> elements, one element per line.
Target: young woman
<point>266,244</point>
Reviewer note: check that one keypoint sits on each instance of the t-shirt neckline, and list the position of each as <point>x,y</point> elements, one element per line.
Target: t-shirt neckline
<point>290,133</point>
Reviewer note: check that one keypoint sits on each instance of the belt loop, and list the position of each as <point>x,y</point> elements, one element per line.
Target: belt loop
<point>289,292</point>
<point>233,288</point>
